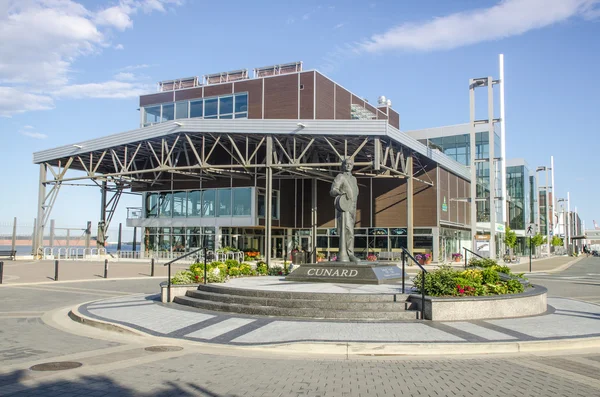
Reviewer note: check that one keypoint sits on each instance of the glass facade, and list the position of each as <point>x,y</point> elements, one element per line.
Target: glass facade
<point>178,239</point>
<point>221,107</point>
<point>201,203</point>
<point>519,191</point>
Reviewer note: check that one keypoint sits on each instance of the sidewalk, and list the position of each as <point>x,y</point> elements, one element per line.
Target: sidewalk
<point>72,270</point>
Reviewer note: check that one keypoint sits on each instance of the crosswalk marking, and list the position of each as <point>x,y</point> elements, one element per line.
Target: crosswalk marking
<point>221,328</point>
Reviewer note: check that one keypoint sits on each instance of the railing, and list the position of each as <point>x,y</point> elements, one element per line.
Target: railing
<point>175,260</point>
<point>72,253</point>
<point>468,250</point>
<point>405,253</point>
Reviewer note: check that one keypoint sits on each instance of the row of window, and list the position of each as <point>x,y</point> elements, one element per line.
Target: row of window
<point>221,107</point>
<point>207,203</point>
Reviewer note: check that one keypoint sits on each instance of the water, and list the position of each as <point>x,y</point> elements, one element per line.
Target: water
<point>26,249</point>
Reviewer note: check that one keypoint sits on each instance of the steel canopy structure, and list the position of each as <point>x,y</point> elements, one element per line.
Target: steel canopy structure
<point>156,156</point>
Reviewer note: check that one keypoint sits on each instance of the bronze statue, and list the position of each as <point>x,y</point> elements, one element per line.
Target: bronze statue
<point>345,191</point>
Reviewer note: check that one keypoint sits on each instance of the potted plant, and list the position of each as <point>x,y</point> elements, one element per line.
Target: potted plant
<point>457,257</point>
<point>372,258</point>
<point>420,258</point>
<point>320,256</point>
<point>428,258</point>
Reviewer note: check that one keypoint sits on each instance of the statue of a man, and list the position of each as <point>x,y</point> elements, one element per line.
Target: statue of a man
<point>345,191</point>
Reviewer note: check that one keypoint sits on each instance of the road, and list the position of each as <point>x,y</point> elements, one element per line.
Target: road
<point>119,365</point>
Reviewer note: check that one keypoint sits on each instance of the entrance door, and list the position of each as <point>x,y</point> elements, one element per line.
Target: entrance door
<point>277,247</point>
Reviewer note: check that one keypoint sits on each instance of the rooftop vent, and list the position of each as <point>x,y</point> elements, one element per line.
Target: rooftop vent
<point>284,68</point>
<point>225,77</point>
<point>177,84</point>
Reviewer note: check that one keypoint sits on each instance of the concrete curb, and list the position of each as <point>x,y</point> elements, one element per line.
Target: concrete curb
<point>366,348</point>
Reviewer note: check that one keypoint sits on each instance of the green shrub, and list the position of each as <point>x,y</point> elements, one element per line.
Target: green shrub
<point>473,275</point>
<point>262,269</point>
<point>216,276</point>
<point>234,271</point>
<point>245,269</point>
<point>440,282</point>
<point>184,277</point>
<point>276,271</point>
<point>232,263</point>
<point>497,289</point>
<point>482,262</point>
<point>514,286</point>
<point>222,268</point>
<point>502,269</point>
<point>490,276</point>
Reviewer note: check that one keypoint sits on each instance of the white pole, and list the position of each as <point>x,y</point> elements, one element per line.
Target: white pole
<point>553,195</point>
<point>547,214</point>
<point>502,140</point>
<point>568,236</point>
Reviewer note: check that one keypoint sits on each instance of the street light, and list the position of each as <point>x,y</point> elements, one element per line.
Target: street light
<point>566,222</point>
<point>538,169</point>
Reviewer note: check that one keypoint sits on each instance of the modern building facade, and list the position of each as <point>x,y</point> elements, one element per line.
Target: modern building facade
<point>520,201</point>
<point>229,160</point>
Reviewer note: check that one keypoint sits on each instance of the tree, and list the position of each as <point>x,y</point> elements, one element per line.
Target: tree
<point>510,238</point>
<point>556,241</point>
<point>538,240</point>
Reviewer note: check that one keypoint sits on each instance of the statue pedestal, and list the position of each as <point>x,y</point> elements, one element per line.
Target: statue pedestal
<point>347,273</point>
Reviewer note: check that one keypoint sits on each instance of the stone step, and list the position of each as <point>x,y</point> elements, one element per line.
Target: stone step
<point>402,304</point>
<point>298,312</point>
<point>332,297</point>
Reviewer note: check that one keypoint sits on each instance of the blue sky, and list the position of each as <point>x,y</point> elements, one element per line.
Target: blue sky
<point>73,70</point>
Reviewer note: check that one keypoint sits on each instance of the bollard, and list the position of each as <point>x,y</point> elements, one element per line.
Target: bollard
<point>152,268</point>
<point>106,268</point>
<point>55,270</point>
<point>1,271</point>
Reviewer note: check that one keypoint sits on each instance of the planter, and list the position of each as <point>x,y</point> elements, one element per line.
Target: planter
<point>457,260</point>
<point>529,303</point>
<point>176,290</point>
<point>428,261</point>
<point>421,261</point>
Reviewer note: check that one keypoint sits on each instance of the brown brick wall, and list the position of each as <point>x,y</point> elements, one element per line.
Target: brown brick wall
<point>254,89</point>
<point>218,89</point>
<point>343,99</point>
<point>281,97</point>
<point>307,95</point>
<point>325,97</point>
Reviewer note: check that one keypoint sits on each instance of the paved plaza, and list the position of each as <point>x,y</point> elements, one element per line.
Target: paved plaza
<point>224,355</point>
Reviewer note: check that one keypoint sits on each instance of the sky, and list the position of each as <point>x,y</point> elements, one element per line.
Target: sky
<point>73,70</point>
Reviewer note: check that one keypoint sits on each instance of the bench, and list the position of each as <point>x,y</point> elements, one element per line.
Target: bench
<point>9,253</point>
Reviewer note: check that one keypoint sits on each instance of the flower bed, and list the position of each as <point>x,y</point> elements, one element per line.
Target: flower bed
<point>219,272</point>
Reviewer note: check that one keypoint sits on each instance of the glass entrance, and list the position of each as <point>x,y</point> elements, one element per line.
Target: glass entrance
<point>277,247</point>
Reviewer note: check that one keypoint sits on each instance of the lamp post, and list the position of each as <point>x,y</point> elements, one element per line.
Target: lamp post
<point>546,169</point>
<point>565,221</point>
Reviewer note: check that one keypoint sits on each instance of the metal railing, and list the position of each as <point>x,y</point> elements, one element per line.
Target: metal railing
<point>50,253</point>
<point>179,258</point>
<point>405,253</point>
<point>473,253</point>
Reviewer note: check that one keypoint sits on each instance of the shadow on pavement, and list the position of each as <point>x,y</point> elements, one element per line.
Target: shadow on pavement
<point>90,385</point>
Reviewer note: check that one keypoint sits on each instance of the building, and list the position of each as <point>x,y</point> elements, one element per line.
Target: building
<point>455,142</point>
<point>520,201</point>
<point>229,160</point>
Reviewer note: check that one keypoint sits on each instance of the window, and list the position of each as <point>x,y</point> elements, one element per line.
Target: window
<point>179,204</point>
<point>224,202</point>
<point>241,103</point>
<point>165,204</point>
<point>226,116</point>
<point>241,115</point>
<point>225,105</point>
<point>168,112</point>
<point>196,108</point>
<point>194,204</point>
<point>152,205</point>
<point>242,201</point>
<point>208,203</point>
<point>181,110</point>
<point>211,107</point>
<point>151,115</point>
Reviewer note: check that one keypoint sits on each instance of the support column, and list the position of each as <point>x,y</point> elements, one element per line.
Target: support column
<point>492,165</point>
<point>101,238</point>
<point>52,232</point>
<point>38,242</point>
<point>473,164</point>
<point>547,214</point>
<point>409,205</point>
<point>88,234</point>
<point>134,246</point>
<point>313,221</point>
<point>268,200</point>
<point>14,235</point>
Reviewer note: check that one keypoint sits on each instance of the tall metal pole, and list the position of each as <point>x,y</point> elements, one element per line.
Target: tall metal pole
<point>34,236</point>
<point>101,238</point>
<point>268,201</point>
<point>492,165</point>
<point>119,238</point>
<point>314,221</point>
<point>409,206</point>
<point>553,194</point>
<point>547,215</point>
<point>14,235</point>
<point>502,139</point>
<point>52,231</point>
<point>568,222</point>
<point>39,232</point>
<point>88,234</point>
<point>134,246</point>
<point>472,163</point>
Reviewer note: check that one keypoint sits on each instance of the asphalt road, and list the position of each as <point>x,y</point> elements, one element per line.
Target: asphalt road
<point>116,365</point>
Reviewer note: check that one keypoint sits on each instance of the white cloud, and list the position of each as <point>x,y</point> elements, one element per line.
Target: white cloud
<point>306,16</point>
<point>339,25</point>
<point>13,101</point>
<point>34,135</point>
<point>108,89</point>
<point>124,76</point>
<point>119,47</point>
<point>505,19</point>
<point>41,39</point>
<point>134,67</point>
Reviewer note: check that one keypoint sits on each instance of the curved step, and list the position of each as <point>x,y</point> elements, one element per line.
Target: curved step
<point>332,297</point>
<point>401,304</point>
<point>297,312</point>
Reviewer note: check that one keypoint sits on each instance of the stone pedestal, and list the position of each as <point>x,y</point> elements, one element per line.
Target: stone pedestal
<point>348,273</point>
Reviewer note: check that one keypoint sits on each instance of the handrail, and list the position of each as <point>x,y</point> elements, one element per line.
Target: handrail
<point>424,272</point>
<point>466,249</point>
<point>175,260</point>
